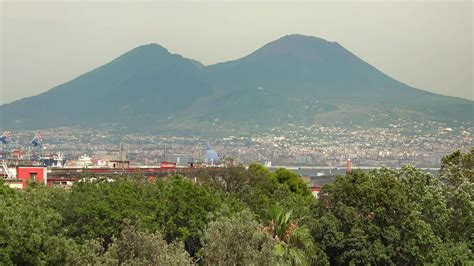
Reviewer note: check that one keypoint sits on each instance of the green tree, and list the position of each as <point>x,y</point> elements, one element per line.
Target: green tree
<point>387,217</point>
<point>231,179</point>
<point>97,209</point>
<point>30,228</point>
<point>237,240</point>
<point>270,189</point>
<point>135,247</point>
<point>457,188</point>
<point>182,209</point>
<point>175,205</point>
<point>295,245</point>
<point>292,181</point>
<point>259,189</point>
<point>458,163</point>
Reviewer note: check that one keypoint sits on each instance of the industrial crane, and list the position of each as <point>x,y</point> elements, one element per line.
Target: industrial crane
<point>9,174</point>
<point>7,150</point>
<point>36,148</point>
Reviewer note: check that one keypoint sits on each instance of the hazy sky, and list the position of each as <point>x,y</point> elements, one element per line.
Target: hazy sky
<point>424,44</point>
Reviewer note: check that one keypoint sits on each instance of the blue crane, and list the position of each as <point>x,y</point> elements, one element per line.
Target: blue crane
<point>7,147</point>
<point>36,148</point>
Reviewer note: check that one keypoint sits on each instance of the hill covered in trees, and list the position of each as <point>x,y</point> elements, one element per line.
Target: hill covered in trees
<point>241,216</point>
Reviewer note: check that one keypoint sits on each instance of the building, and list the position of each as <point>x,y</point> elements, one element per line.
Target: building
<point>19,176</point>
<point>119,164</point>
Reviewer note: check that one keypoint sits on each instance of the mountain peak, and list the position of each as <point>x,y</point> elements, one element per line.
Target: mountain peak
<point>152,48</point>
<point>295,40</point>
<point>301,38</point>
<point>300,46</point>
<point>143,54</point>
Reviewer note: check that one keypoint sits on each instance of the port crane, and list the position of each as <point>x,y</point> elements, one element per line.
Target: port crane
<point>9,174</point>
<point>7,147</point>
<point>36,148</point>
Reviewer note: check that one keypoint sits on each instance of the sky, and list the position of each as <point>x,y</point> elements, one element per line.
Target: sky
<point>425,44</point>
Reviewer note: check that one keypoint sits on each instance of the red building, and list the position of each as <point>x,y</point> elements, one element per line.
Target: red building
<point>32,173</point>
<point>166,165</point>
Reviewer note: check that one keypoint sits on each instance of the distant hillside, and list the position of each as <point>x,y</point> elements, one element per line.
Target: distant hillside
<point>307,77</point>
<point>293,79</point>
<point>147,81</point>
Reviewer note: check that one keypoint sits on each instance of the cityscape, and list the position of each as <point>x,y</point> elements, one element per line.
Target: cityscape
<point>292,133</point>
<point>419,144</point>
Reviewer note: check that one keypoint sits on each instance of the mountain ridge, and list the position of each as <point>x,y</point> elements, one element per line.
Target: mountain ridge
<point>294,78</point>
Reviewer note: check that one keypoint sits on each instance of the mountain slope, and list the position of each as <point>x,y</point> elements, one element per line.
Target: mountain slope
<point>146,81</point>
<point>301,76</point>
<point>293,79</point>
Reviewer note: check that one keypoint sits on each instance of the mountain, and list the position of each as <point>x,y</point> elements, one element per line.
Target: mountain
<point>293,79</point>
<point>147,81</point>
<point>312,79</point>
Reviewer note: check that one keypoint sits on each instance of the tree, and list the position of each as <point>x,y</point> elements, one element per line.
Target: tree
<point>96,210</point>
<point>135,247</point>
<point>384,217</point>
<point>183,209</point>
<point>259,189</point>
<point>292,181</point>
<point>294,242</point>
<point>462,163</point>
<point>237,240</point>
<point>232,179</point>
<point>175,205</point>
<point>282,188</point>
<point>30,228</point>
<point>457,187</point>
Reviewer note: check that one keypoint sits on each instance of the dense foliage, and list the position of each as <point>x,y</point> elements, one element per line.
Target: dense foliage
<point>240,216</point>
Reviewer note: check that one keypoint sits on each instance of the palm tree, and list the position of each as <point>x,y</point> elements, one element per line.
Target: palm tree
<point>294,240</point>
